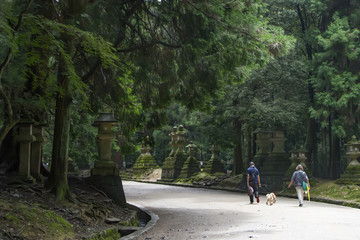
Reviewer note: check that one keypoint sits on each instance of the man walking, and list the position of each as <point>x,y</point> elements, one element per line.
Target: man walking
<point>253,180</point>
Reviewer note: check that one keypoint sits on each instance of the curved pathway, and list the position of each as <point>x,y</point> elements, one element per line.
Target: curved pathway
<point>195,213</point>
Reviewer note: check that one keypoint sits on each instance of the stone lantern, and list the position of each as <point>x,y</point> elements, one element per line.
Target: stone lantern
<point>25,138</point>
<point>352,171</point>
<point>302,156</point>
<point>294,158</point>
<point>353,151</point>
<point>214,164</point>
<point>105,166</point>
<point>191,165</point>
<point>180,140</point>
<point>173,141</point>
<point>191,149</point>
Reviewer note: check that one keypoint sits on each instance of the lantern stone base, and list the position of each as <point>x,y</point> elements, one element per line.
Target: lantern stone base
<point>350,176</point>
<point>214,165</point>
<point>190,167</point>
<point>111,186</point>
<point>144,163</point>
<point>168,169</point>
<point>271,182</point>
<point>172,167</point>
<point>275,163</point>
<point>105,168</point>
<point>259,160</point>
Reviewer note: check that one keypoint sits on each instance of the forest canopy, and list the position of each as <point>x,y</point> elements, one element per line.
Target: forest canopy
<point>224,69</point>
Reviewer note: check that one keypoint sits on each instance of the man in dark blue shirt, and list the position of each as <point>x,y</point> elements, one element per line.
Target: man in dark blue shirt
<point>253,180</point>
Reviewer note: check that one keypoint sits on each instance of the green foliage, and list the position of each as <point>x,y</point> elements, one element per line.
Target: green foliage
<point>336,81</point>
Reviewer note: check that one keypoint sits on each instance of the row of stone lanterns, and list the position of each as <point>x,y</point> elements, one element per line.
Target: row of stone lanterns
<point>30,137</point>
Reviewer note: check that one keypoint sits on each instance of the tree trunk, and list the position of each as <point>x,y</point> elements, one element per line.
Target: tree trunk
<point>330,159</point>
<point>335,157</point>
<point>249,147</point>
<point>238,166</point>
<point>57,180</point>
<point>323,164</point>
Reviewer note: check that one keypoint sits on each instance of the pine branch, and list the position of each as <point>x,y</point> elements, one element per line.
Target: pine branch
<point>10,52</point>
<point>221,22</point>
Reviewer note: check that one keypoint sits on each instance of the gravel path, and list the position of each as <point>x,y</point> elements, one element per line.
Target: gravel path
<point>193,213</point>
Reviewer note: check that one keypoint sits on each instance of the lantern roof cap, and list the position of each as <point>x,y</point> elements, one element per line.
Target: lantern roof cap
<point>105,117</point>
<point>191,145</point>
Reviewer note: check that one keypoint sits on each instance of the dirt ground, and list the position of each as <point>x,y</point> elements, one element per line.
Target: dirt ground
<point>27,211</point>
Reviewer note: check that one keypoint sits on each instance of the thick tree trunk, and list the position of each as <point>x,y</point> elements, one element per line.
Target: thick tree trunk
<point>57,180</point>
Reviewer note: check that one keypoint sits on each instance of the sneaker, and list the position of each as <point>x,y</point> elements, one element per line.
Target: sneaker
<point>257,200</point>
<point>300,205</point>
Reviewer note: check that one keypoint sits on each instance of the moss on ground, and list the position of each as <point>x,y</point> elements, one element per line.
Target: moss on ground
<point>332,190</point>
<point>26,221</point>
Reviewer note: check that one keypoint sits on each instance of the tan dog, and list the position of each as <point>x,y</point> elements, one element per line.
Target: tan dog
<point>270,198</point>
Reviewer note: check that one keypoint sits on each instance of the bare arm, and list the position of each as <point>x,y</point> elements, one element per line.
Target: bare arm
<point>291,182</point>
<point>259,180</point>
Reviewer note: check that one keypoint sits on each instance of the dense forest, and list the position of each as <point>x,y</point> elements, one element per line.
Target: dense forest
<point>223,69</point>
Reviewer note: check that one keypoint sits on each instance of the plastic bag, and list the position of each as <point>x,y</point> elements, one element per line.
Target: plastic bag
<point>304,186</point>
<point>250,191</point>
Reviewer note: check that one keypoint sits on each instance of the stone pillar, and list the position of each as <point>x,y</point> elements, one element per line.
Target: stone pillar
<point>105,166</point>
<point>180,140</point>
<point>180,156</point>
<point>278,141</point>
<point>263,148</point>
<point>173,141</point>
<point>25,138</point>
<point>36,152</point>
<point>168,168</point>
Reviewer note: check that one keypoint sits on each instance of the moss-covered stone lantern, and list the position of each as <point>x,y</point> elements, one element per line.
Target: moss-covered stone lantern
<point>353,151</point>
<point>191,165</point>
<point>214,164</point>
<point>352,171</point>
<point>105,166</point>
